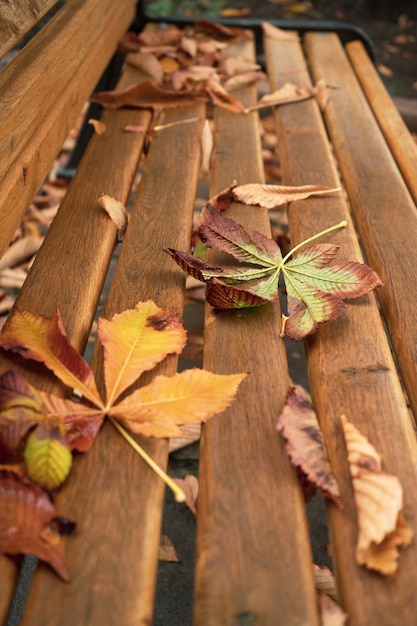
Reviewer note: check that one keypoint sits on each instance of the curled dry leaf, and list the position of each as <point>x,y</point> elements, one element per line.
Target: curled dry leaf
<point>19,251</point>
<point>190,487</point>
<point>169,36</point>
<point>331,613</point>
<point>379,502</point>
<point>167,551</point>
<point>26,521</point>
<point>116,211</point>
<point>147,63</point>
<point>243,80</point>
<point>99,127</point>
<point>273,196</point>
<point>284,95</point>
<point>299,426</point>
<point>325,581</point>
<point>221,97</point>
<point>146,95</point>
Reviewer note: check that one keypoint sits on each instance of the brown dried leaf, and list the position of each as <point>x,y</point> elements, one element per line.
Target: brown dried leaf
<point>190,487</point>
<point>20,251</point>
<point>222,98</point>
<point>379,502</point>
<point>194,74</point>
<point>170,36</point>
<point>116,211</point>
<point>304,442</point>
<point>331,613</point>
<point>325,581</point>
<point>244,79</point>
<point>273,196</point>
<point>192,432</point>
<point>167,551</point>
<point>147,63</point>
<point>146,95</point>
<point>286,94</point>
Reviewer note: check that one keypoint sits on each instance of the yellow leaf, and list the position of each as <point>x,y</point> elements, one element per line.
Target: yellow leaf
<point>135,341</point>
<point>190,396</point>
<point>379,501</point>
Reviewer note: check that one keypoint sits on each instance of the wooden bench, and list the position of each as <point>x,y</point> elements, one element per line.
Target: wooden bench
<point>254,564</point>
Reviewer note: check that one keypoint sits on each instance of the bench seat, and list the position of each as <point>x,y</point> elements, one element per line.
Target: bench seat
<point>254,562</point>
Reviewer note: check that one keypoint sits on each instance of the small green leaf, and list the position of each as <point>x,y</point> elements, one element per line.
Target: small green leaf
<point>47,457</point>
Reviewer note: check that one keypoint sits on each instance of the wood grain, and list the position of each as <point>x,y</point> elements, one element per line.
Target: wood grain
<point>17,18</point>
<point>31,141</point>
<point>350,367</point>
<point>70,267</point>
<point>115,498</point>
<point>254,558</point>
<point>401,143</point>
<point>384,211</point>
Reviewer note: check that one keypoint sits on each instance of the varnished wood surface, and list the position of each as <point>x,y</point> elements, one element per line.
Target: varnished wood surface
<point>254,559</point>
<point>50,84</point>
<point>384,211</point>
<point>350,367</point>
<point>115,498</point>
<point>400,141</point>
<point>70,267</point>
<point>17,18</point>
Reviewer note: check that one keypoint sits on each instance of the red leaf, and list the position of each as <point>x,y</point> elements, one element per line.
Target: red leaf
<point>26,515</point>
<point>21,408</point>
<point>304,442</point>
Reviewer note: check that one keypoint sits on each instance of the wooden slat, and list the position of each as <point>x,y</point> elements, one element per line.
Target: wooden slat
<point>385,213</point>
<point>17,18</point>
<point>401,143</point>
<point>70,267</point>
<point>113,495</point>
<point>254,559</point>
<point>33,139</point>
<point>350,367</point>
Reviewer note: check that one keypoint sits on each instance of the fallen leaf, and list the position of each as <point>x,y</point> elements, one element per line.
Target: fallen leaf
<point>116,211</point>
<point>220,31</point>
<point>299,426</point>
<point>25,523</point>
<point>161,37</point>
<point>207,144</point>
<point>315,291</point>
<point>170,401</point>
<point>279,34</point>
<point>325,581</point>
<point>190,486</point>
<point>384,70</point>
<point>273,196</point>
<point>195,74</point>
<point>286,94</point>
<point>331,612</point>
<point>167,551</point>
<point>134,341</point>
<point>20,251</point>
<point>191,433</point>
<point>221,97</point>
<point>146,95</point>
<point>382,529</point>
<point>99,127</point>
<point>147,63</point>
<point>243,80</point>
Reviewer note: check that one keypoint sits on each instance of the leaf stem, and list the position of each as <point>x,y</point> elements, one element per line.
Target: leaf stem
<point>179,495</point>
<point>341,224</point>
